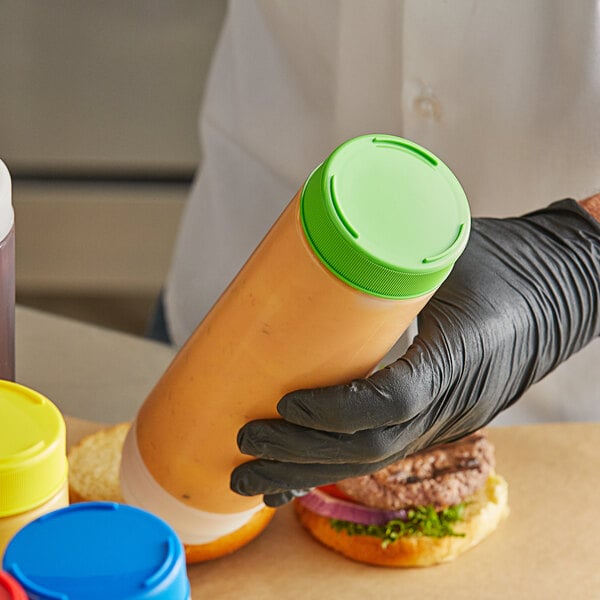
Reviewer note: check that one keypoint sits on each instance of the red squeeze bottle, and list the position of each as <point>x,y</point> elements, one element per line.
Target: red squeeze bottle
<point>10,589</point>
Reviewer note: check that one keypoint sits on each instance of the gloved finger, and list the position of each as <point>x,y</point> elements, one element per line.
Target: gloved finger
<point>272,477</point>
<point>391,396</point>
<point>275,500</point>
<point>276,439</point>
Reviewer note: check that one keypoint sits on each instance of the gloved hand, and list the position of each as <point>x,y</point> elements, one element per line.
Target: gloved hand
<point>523,297</point>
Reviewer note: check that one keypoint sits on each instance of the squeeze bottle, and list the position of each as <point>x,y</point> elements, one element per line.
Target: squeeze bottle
<point>98,551</point>
<point>33,460</point>
<point>7,277</point>
<point>357,253</point>
<point>10,588</point>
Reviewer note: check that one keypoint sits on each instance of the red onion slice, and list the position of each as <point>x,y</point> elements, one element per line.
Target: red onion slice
<point>327,506</point>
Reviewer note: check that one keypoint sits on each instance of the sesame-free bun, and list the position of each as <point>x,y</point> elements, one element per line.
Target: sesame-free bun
<point>94,465</point>
<point>232,541</point>
<point>484,510</point>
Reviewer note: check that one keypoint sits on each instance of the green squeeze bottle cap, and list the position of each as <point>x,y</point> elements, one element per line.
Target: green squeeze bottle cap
<point>386,216</point>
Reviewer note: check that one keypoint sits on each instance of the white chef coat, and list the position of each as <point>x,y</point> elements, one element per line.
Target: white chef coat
<point>506,93</point>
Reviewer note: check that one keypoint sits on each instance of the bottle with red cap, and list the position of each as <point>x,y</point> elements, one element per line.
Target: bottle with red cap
<point>10,589</point>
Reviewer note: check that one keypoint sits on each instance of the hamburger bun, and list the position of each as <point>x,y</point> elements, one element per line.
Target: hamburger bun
<point>94,465</point>
<point>481,517</point>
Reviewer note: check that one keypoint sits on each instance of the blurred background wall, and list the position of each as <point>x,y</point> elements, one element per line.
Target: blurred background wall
<point>98,126</point>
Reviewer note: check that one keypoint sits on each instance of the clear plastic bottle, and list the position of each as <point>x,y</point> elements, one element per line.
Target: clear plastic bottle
<point>339,277</point>
<point>7,278</point>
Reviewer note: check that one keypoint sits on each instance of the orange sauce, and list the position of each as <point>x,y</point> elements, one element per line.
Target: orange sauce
<point>284,323</point>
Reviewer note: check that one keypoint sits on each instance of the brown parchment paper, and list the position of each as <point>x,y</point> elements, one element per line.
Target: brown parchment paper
<point>549,547</point>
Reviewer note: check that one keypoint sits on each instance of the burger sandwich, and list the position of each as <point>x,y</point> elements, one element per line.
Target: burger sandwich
<point>419,511</point>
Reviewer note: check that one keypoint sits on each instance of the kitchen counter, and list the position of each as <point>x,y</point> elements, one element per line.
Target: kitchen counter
<point>547,548</point>
<point>87,371</point>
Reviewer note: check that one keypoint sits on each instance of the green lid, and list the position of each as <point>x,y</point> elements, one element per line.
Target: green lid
<point>386,216</point>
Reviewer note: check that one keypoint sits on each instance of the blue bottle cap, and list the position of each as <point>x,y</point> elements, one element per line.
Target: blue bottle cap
<point>98,550</point>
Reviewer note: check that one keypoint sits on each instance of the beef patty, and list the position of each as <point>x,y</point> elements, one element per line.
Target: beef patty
<point>440,476</point>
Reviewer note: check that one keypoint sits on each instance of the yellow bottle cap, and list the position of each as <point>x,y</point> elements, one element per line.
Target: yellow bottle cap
<point>33,461</point>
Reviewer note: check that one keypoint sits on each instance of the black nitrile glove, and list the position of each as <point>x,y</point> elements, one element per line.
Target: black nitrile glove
<point>524,296</point>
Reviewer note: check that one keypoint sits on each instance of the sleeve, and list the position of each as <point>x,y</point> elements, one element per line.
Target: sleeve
<point>278,99</point>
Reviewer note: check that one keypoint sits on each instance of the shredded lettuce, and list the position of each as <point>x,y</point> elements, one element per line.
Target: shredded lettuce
<point>423,521</point>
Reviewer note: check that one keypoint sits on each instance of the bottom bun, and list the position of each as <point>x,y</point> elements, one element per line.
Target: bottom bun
<point>94,465</point>
<point>232,541</point>
<point>484,511</point>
